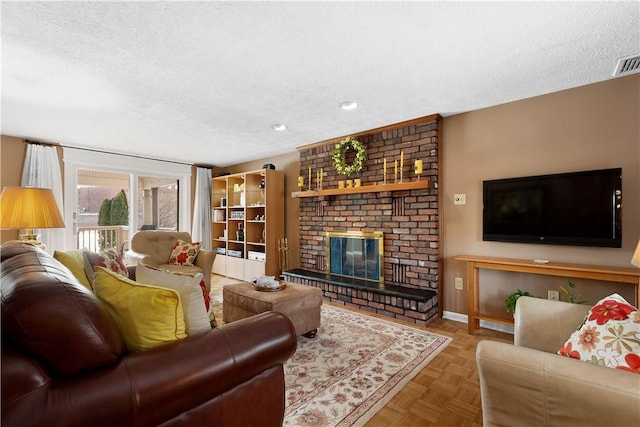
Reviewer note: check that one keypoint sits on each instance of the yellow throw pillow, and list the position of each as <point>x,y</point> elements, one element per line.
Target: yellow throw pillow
<point>74,261</point>
<point>146,315</point>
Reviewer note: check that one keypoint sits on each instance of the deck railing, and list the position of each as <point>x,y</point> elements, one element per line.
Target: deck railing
<point>100,237</point>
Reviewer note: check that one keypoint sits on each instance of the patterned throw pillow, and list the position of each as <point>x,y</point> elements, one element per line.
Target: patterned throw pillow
<point>609,336</point>
<point>108,259</point>
<point>184,253</point>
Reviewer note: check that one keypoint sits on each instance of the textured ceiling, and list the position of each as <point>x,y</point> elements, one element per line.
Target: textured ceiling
<point>202,82</point>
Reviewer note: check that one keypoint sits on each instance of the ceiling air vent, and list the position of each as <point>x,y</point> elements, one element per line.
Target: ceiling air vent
<point>628,65</point>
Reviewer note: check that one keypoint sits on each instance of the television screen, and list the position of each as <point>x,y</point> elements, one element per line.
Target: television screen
<point>578,208</point>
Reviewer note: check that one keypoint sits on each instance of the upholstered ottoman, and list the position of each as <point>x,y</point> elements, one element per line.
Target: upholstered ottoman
<point>300,303</point>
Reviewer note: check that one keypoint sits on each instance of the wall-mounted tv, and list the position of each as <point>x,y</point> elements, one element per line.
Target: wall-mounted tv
<point>577,208</point>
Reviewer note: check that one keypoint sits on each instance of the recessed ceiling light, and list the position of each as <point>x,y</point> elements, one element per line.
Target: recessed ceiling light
<point>348,105</point>
<point>279,127</point>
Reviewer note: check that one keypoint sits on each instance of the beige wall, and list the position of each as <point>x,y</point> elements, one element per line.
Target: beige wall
<point>290,164</point>
<point>12,152</point>
<point>591,127</point>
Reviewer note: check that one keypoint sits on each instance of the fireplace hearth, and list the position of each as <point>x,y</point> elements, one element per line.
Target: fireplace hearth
<point>410,304</point>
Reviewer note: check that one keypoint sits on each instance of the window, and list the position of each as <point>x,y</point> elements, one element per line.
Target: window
<point>155,183</point>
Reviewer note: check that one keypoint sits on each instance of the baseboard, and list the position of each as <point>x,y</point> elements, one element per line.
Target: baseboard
<point>462,318</point>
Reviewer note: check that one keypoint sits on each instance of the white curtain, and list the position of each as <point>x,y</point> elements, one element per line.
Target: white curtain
<point>201,228</point>
<point>42,169</point>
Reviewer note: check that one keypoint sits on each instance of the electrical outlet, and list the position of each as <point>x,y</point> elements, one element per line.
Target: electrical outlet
<point>553,295</point>
<point>458,283</point>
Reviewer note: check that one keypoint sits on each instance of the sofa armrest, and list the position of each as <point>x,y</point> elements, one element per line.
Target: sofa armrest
<point>543,389</point>
<point>204,260</point>
<point>545,324</point>
<point>212,364</point>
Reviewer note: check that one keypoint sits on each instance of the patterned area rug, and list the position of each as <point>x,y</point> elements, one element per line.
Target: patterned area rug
<point>352,368</point>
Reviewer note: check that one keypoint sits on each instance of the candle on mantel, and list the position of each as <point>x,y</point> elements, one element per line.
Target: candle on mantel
<point>309,177</point>
<point>384,167</point>
<point>401,161</point>
<point>321,177</point>
<point>301,181</point>
<point>395,169</point>
<point>418,167</point>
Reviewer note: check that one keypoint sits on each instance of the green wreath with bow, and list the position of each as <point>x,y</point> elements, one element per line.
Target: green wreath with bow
<point>338,155</point>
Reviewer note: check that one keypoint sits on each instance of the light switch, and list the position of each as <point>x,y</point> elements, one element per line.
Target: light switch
<point>459,199</point>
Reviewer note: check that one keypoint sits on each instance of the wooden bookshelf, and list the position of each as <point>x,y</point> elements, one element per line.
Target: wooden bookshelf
<point>254,203</point>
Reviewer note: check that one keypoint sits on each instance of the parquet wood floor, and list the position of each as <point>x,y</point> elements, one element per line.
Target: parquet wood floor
<point>446,392</point>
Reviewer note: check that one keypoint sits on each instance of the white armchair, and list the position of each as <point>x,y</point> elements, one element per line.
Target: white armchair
<point>528,384</point>
<point>153,248</point>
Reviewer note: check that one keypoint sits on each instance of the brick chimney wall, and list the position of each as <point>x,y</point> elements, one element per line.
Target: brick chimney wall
<point>408,219</point>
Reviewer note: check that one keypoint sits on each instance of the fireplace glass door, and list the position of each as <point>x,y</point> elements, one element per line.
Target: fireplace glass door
<point>356,254</point>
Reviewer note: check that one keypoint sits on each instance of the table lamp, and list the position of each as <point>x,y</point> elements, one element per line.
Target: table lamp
<point>28,208</point>
<point>635,259</point>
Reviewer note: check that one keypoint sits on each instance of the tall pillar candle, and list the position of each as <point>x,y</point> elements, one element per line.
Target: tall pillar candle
<point>418,167</point>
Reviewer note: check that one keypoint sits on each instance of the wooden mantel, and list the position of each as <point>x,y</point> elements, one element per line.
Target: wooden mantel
<point>378,188</point>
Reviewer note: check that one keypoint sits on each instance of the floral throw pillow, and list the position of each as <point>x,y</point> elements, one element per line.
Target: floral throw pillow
<point>108,259</point>
<point>184,253</point>
<point>609,336</point>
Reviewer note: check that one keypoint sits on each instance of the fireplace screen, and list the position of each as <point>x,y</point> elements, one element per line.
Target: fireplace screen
<point>356,254</point>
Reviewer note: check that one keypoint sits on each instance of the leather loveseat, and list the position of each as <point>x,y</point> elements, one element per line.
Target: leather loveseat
<point>528,384</point>
<point>64,362</point>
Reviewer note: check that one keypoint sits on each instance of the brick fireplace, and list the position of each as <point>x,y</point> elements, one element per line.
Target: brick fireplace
<point>408,219</point>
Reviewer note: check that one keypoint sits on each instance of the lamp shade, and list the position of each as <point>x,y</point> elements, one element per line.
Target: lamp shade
<point>635,259</point>
<point>28,207</point>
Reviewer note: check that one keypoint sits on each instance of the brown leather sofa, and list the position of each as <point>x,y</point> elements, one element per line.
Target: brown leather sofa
<point>64,362</point>
<point>527,384</point>
<point>153,248</point>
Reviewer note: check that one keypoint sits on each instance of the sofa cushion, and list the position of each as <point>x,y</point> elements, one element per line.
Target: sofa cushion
<point>190,290</point>
<point>107,258</point>
<point>184,253</point>
<point>146,315</point>
<point>609,336</point>
<point>47,312</point>
<point>74,261</point>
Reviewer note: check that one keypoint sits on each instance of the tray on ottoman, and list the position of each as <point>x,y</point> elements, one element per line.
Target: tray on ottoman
<point>300,303</point>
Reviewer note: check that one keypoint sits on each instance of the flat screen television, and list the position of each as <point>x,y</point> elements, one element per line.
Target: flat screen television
<point>577,208</point>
